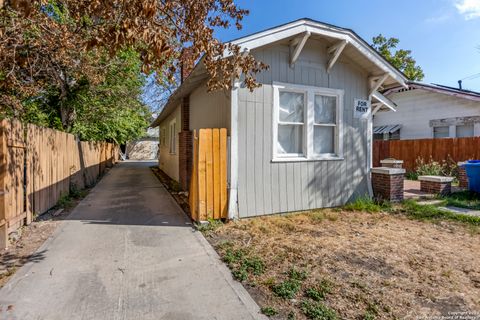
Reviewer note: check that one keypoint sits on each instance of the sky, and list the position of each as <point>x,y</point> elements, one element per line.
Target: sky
<point>443,35</point>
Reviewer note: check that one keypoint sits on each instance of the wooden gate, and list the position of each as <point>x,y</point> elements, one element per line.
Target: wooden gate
<point>14,210</point>
<point>208,184</point>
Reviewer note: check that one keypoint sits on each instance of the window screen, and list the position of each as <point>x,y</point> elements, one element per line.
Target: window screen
<point>464,131</point>
<point>441,132</point>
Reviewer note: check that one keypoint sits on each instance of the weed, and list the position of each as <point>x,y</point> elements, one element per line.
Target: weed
<point>291,316</point>
<point>371,313</point>
<point>287,289</point>
<point>269,282</point>
<point>233,256</point>
<point>463,199</point>
<point>254,265</point>
<point>211,226</point>
<point>242,265</point>
<point>320,291</point>
<point>368,316</point>
<point>240,274</point>
<point>296,274</point>
<point>317,216</point>
<point>431,212</point>
<point>65,201</point>
<point>318,311</point>
<point>269,311</point>
<point>77,193</point>
<point>365,204</point>
<point>411,175</point>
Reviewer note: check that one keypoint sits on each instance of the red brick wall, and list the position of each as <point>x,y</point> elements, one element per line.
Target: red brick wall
<point>436,187</point>
<point>388,187</point>
<point>462,178</point>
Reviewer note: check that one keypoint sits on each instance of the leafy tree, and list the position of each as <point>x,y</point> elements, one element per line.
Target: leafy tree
<point>399,58</point>
<point>111,110</point>
<point>51,48</point>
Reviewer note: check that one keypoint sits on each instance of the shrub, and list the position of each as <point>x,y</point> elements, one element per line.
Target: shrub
<point>318,311</point>
<point>448,167</point>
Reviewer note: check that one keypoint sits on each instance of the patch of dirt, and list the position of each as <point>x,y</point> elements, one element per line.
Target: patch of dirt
<point>381,265</point>
<point>25,242</point>
<point>173,187</point>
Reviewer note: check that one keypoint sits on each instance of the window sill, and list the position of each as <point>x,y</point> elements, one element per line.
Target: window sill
<point>303,159</point>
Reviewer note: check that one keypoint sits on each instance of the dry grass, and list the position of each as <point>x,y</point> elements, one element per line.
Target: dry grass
<point>378,266</point>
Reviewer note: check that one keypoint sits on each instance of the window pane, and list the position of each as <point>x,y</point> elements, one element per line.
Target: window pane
<point>441,132</point>
<point>291,107</point>
<point>465,130</point>
<point>323,139</point>
<point>290,139</point>
<point>325,109</point>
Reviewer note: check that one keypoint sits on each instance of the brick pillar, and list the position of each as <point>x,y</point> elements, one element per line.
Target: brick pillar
<point>392,163</point>
<point>185,146</point>
<point>387,183</point>
<point>462,176</point>
<point>436,184</point>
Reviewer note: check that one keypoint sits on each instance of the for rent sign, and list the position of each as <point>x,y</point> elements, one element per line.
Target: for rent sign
<point>361,109</point>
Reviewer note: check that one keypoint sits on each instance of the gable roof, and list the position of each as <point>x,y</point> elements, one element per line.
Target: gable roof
<point>437,88</point>
<point>357,48</point>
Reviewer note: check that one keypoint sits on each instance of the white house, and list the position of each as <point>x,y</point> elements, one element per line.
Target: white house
<point>300,141</point>
<point>426,111</point>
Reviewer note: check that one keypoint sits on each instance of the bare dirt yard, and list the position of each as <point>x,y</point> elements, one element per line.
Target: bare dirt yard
<point>335,264</point>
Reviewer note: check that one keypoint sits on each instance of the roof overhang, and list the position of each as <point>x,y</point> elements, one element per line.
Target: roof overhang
<point>303,28</point>
<point>311,27</point>
<point>464,94</point>
<point>387,129</point>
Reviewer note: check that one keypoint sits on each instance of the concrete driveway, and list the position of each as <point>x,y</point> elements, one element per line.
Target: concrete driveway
<point>126,252</point>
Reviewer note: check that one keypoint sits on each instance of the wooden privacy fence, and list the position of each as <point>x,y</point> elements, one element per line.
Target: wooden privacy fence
<point>38,166</point>
<point>456,149</point>
<point>208,184</point>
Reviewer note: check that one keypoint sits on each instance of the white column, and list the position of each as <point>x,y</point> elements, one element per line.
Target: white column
<point>233,195</point>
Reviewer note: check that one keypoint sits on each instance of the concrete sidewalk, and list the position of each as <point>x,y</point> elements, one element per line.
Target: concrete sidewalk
<point>126,252</point>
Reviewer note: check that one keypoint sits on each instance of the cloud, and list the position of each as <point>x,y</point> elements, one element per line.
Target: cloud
<point>438,19</point>
<point>470,9</point>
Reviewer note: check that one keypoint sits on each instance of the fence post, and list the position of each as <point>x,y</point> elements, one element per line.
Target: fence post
<point>3,191</point>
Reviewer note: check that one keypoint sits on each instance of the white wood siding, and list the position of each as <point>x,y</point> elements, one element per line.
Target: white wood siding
<point>209,109</point>
<point>417,107</point>
<point>265,187</point>
<point>168,162</point>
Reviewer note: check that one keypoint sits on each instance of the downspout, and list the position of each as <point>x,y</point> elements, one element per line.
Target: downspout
<point>233,195</point>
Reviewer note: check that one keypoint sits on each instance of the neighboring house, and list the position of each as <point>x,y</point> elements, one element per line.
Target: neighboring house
<point>426,111</point>
<point>297,142</point>
<point>145,148</point>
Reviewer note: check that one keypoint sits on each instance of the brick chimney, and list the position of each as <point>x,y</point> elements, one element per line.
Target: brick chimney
<point>187,63</point>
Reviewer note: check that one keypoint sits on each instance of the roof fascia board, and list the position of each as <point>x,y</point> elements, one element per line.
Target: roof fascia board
<point>384,100</point>
<point>466,96</point>
<point>302,26</point>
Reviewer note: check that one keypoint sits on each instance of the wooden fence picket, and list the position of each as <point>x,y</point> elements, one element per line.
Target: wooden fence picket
<point>38,166</point>
<point>453,149</point>
<point>208,183</point>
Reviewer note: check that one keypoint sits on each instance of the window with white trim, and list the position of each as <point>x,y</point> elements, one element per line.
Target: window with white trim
<point>307,123</point>
<point>173,137</point>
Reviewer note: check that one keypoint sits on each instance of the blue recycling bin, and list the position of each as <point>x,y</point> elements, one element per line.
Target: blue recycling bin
<point>472,167</point>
